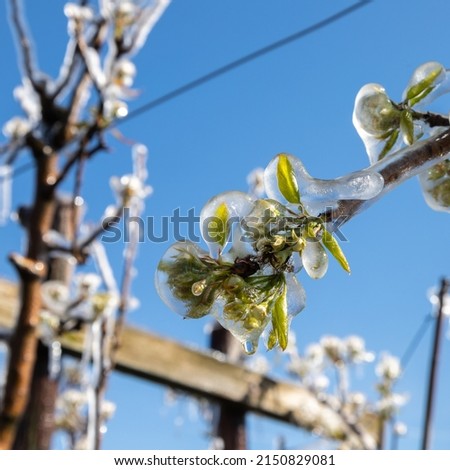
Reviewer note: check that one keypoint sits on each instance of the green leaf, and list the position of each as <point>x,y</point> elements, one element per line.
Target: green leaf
<point>333,247</point>
<point>389,143</point>
<point>287,183</point>
<point>425,85</point>
<point>222,214</point>
<point>414,101</point>
<point>280,322</point>
<point>407,126</point>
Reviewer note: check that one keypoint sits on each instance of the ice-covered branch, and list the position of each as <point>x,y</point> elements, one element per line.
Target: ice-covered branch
<point>400,166</point>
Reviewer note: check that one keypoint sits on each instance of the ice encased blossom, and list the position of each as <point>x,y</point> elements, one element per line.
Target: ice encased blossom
<point>316,195</point>
<point>435,73</point>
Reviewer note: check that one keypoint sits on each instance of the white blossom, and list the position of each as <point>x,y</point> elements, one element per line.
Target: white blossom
<point>124,72</point>
<point>315,353</point>
<point>107,410</point>
<point>71,399</point>
<point>356,350</point>
<point>333,347</point>
<point>390,404</point>
<point>389,367</point>
<point>16,128</point>
<point>29,100</point>
<point>129,187</point>
<point>78,12</point>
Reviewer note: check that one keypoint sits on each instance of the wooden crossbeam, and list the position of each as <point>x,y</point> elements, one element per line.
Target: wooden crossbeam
<point>205,374</point>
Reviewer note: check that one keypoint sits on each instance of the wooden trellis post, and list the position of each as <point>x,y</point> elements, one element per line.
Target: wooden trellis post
<point>201,374</point>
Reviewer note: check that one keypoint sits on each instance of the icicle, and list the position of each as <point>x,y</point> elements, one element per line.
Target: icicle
<point>5,193</point>
<point>55,359</point>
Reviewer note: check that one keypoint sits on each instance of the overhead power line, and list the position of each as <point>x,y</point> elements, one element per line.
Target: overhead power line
<point>196,83</point>
<point>241,61</point>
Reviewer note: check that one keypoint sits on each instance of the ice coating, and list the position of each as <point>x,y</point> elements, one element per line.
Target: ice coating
<point>236,204</point>
<point>318,194</point>
<point>296,295</point>
<point>374,112</point>
<point>178,271</point>
<point>249,338</point>
<point>440,83</point>
<point>375,119</point>
<point>435,183</point>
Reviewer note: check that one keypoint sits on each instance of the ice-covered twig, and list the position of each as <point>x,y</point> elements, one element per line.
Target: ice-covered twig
<point>24,44</point>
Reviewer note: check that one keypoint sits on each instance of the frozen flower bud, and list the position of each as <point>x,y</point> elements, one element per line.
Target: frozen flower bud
<point>374,113</point>
<point>124,73</point>
<point>16,128</point>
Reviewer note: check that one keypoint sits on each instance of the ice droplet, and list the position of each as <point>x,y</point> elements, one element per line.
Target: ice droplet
<point>249,347</point>
<point>318,194</point>
<point>315,260</point>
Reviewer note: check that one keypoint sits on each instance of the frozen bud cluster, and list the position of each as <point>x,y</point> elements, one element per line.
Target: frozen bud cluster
<point>385,125</point>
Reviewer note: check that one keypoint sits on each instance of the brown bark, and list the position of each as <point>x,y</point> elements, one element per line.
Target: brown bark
<point>31,270</point>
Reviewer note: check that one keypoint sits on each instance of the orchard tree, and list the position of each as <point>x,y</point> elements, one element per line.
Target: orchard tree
<point>258,246</point>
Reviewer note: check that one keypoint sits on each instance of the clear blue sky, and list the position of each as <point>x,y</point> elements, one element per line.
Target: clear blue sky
<point>298,99</point>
